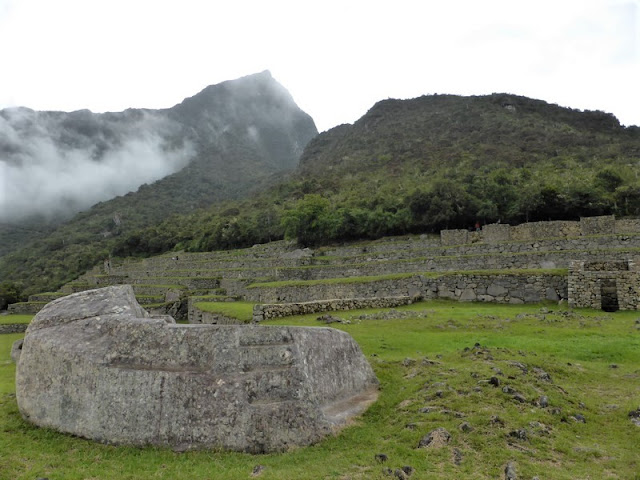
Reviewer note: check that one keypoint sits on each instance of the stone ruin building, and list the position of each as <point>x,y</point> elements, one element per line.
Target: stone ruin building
<point>610,286</point>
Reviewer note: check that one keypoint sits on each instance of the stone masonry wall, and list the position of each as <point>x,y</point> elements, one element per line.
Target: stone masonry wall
<point>526,260</point>
<point>543,230</point>
<point>25,307</point>
<point>13,328</point>
<point>496,233</point>
<point>507,288</point>
<point>586,282</point>
<point>631,225</point>
<point>500,233</point>
<point>598,225</point>
<point>277,310</point>
<point>455,237</point>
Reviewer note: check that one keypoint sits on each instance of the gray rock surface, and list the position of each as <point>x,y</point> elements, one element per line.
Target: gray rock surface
<point>94,364</point>
<point>16,350</point>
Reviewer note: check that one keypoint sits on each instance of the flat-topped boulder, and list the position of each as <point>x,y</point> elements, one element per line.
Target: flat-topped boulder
<point>94,364</point>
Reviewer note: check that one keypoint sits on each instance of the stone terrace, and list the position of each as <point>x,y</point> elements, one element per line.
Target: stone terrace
<point>500,263</point>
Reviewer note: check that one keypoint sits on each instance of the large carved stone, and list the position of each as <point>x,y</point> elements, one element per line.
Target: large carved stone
<point>95,365</point>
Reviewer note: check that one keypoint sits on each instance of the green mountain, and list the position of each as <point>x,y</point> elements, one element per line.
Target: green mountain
<point>434,162</point>
<point>413,166</point>
<point>240,136</point>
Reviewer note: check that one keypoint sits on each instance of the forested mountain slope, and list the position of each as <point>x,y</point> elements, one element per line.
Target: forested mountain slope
<point>420,165</point>
<point>237,137</point>
<point>434,162</point>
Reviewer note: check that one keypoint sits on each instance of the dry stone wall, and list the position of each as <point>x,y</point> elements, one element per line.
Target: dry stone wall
<point>526,260</point>
<point>587,226</point>
<point>631,225</point>
<point>604,285</point>
<point>544,230</point>
<point>496,233</point>
<point>455,237</point>
<point>25,308</point>
<point>605,224</point>
<point>268,311</point>
<point>515,288</point>
<point>13,328</point>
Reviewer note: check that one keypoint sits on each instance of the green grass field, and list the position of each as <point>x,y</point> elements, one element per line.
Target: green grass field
<point>434,361</point>
<point>243,311</point>
<point>14,319</point>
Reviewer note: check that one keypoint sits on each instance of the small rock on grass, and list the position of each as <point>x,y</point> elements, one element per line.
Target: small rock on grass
<point>496,420</point>
<point>408,469</point>
<point>331,319</point>
<point>257,470</point>
<point>578,417</point>
<point>518,397</point>
<point>520,434</point>
<point>436,438</point>
<point>510,471</point>
<point>381,457</point>
<point>399,474</point>
<point>465,427</point>
<point>408,362</point>
<point>457,456</point>
<point>542,375</point>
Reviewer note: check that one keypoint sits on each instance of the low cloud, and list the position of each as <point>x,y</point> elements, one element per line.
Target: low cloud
<point>55,164</point>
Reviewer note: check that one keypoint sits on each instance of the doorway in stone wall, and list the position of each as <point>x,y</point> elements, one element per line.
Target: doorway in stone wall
<point>609,295</point>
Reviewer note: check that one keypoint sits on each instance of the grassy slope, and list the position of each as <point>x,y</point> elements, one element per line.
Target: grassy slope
<point>577,350</point>
<point>241,310</point>
<point>14,319</point>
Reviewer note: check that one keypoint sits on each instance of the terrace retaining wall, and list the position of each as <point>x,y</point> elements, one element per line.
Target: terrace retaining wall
<point>13,328</point>
<point>502,288</point>
<point>501,233</point>
<point>277,310</point>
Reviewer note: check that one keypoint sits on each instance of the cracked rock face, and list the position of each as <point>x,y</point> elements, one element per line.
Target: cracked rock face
<point>94,364</point>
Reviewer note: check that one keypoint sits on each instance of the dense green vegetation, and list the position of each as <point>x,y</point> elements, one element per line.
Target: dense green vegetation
<point>434,361</point>
<point>410,166</point>
<point>227,163</point>
<point>9,293</point>
<point>431,163</point>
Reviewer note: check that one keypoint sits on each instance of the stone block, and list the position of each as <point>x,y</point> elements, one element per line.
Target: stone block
<point>552,295</point>
<point>468,295</point>
<point>496,290</point>
<point>94,364</point>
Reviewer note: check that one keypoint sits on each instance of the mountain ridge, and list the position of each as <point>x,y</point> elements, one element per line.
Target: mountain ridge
<point>408,166</point>
<point>237,135</point>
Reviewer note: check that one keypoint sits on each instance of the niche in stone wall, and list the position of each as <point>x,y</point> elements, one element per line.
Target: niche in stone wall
<point>609,295</point>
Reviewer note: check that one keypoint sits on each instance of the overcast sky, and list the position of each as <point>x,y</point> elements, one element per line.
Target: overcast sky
<point>337,58</point>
